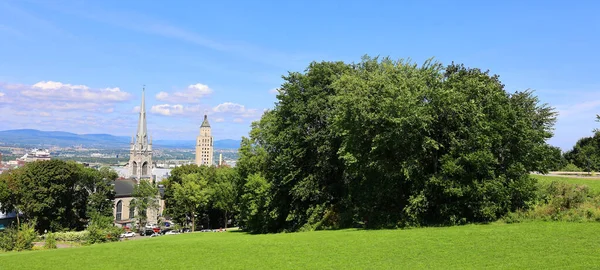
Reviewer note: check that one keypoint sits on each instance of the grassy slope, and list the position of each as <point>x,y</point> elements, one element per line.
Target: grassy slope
<point>533,245</point>
<point>594,184</point>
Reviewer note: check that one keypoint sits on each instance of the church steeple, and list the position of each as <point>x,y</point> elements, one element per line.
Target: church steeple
<point>140,156</point>
<point>142,132</point>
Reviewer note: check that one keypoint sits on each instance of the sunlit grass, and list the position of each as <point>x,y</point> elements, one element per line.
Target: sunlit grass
<point>531,245</point>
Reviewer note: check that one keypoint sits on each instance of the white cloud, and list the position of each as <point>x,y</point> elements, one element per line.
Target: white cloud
<point>238,120</point>
<point>167,109</point>
<point>1,94</point>
<point>191,94</point>
<point>580,109</point>
<point>136,109</point>
<point>220,119</point>
<point>229,107</point>
<point>64,91</point>
<point>44,114</point>
<point>274,91</point>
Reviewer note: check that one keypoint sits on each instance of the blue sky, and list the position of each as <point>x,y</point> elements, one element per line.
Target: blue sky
<point>79,66</point>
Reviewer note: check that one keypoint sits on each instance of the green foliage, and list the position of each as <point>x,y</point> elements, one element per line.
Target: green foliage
<point>173,209</point>
<point>80,236</point>
<point>561,201</point>
<point>18,238</point>
<point>57,195</point>
<point>255,203</point>
<point>145,197</point>
<point>385,143</point>
<point>101,229</point>
<point>209,193</point>
<point>50,241</point>
<point>586,153</point>
<point>192,195</point>
<point>224,193</point>
<point>571,168</point>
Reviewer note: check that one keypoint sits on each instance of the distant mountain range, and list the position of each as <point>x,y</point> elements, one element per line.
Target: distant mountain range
<point>33,138</point>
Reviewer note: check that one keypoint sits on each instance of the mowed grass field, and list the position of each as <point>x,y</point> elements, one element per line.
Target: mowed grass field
<point>530,245</point>
<point>592,182</point>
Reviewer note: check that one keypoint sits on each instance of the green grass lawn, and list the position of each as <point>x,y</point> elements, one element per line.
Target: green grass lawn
<point>530,245</point>
<point>594,184</point>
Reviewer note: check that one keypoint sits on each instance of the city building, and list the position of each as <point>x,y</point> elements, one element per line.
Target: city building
<point>35,155</point>
<point>204,145</point>
<point>140,154</point>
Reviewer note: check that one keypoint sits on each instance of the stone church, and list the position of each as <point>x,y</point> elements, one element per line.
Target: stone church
<point>139,169</point>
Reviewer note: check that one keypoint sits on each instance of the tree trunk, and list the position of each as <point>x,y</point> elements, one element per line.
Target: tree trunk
<point>193,222</point>
<point>18,221</point>
<point>225,219</point>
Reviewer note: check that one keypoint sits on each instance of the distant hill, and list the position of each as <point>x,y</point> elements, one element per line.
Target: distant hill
<point>33,138</point>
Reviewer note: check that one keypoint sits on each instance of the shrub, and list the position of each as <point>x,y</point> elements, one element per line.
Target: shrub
<point>72,236</point>
<point>25,237</point>
<point>8,239</point>
<point>561,201</point>
<point>571,168</point>
<point>50,242</point>
<point>18,239</point>
<point>102,230</point>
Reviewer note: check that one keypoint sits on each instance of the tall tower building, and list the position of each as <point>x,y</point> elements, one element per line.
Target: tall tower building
<point>140,153</point>
<point>204,145</point>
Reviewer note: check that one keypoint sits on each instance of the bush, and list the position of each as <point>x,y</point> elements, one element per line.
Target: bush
<point>18,239</point>
<point>560,201</point>
<point>8,239</point>
<point>102,230</point>
<point>72,236</point>
<point>571,168</point>
<point>50,242</point>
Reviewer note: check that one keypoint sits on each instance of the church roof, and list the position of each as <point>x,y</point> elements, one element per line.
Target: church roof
<point>123,188</point>
<point>205,122</point>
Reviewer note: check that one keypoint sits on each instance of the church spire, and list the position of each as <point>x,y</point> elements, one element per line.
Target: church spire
<point>142,132</point>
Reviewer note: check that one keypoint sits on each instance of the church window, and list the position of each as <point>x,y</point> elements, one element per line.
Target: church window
<point>119,210</point>
<point>131,211</point>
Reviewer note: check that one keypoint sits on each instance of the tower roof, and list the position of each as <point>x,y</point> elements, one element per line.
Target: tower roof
<point>142,132</point>
<point>205,122</point>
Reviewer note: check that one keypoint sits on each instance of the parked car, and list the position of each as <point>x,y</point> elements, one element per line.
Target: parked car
<point>127,234</point>
<point>171,232</point>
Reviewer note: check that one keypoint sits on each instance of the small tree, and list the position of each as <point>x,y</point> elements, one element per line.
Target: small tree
<point>145,197</point>
<point>224,198</point>
<point>191,195</point>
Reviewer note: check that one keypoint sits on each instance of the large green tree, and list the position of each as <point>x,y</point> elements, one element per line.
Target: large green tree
<point>390,143</point>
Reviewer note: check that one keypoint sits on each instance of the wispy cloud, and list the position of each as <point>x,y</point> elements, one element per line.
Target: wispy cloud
<point>191,94</point>
<point>142,23</point>
<point>31,21</point>
<point>175,110</point>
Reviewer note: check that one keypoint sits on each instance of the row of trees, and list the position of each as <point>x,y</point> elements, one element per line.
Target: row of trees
<point>57,195</point>
<point>201,195</point>
<point>385,143</point>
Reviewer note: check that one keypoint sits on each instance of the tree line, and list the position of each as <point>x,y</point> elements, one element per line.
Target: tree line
<point>57,195</point>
